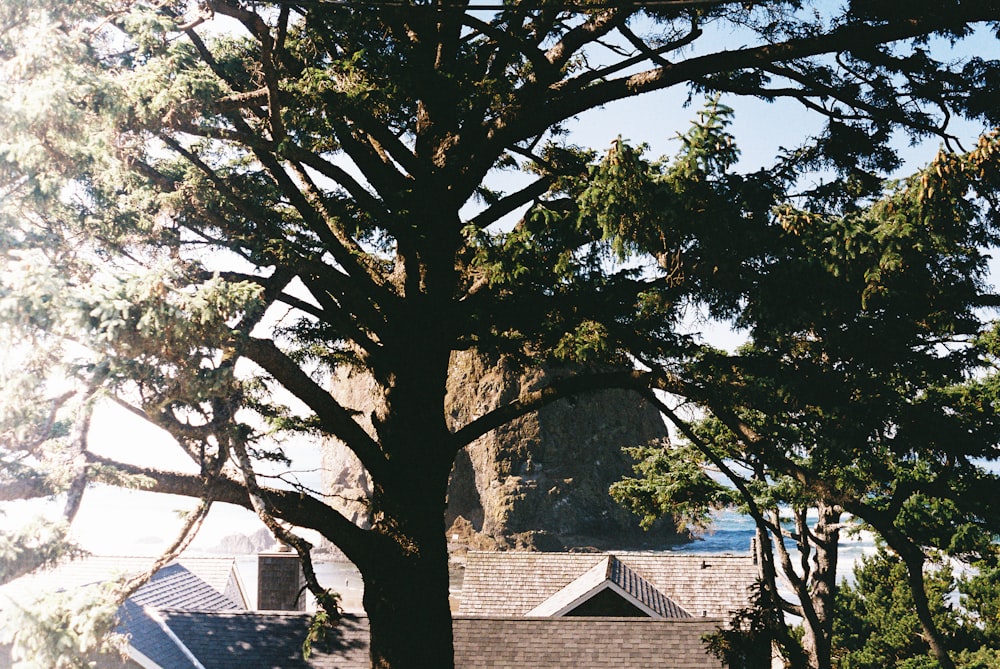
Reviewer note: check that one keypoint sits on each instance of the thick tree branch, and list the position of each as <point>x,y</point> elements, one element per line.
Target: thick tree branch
<point>291,506</point>
<point>336,311</point>
<point>570,102</point>
<point>26,486</point>
<point>512,44</point>
<point>345,252</point>
<point>262,506</point>
<point>654,56</point>
<point>913,557</point>
<point>511,202</point>
<point>338,175</point>
<point>334,419</point>
<point>586,33</point>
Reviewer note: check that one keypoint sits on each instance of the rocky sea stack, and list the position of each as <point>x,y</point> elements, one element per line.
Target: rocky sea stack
<point>540,482</point>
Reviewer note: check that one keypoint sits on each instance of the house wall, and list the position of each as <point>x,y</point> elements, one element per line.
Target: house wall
<point>607,604</point>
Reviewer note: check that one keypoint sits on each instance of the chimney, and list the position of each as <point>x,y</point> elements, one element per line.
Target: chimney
<point>280,583</point>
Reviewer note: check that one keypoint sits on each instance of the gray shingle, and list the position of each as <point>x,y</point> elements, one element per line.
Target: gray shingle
<point>513,583</point>
<point>583,643</point>
<point>272,640</point>
<point>267,640</point>
<point>176,586</point>
<point>148,636</point>
<point>217,572</point>
<point>172,586</point>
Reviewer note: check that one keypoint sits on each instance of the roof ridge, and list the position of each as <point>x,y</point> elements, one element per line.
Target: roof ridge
<point>642,590</point>
<point>612,562</point>
<point>155,616</point>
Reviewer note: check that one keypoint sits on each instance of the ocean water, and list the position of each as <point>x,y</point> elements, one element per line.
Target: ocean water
<point>730,532</point>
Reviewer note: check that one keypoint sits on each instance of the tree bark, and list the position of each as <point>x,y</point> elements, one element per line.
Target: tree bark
<point>914,561</point>
<point>406,575</point>
<point>406,572</point>
<point>406,598</point>
<point>818,628</point>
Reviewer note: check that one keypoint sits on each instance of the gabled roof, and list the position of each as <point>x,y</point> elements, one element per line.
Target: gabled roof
<point>513,583</point>
<point>219,573</point>
<point>172,586</point>
<point>151,644</point>
<point>176,586</point>
<point>200,583</point>
<point>610,574</point>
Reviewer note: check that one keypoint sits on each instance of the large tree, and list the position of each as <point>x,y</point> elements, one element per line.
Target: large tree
<point>208,205</point>
<point>866,393</point>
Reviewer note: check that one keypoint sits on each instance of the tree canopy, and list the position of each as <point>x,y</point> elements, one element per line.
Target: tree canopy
<point>876,624</point>
<point>867,388</point>
<point>208,206</point>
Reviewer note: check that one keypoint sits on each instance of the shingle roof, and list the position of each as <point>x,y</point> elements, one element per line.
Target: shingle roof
<point>267,640</point>
<point>219,573</point>
<point>583,643</point>
<point>148,635</point>
<point>172,586</point>
<point>513,583</point>
<point>610,572</point>
<point>176,586</point>
<point>272,640</point>
<point>200,583</point>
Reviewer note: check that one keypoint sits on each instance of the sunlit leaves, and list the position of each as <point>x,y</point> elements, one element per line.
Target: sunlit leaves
<point>64,630</point>
<point>672,481</point>
<point>635,239</point>
<point>33,545</point>
<point>172,88</point>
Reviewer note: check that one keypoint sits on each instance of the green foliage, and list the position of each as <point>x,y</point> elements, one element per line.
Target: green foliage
<point>866,385</point>
<point>325,619</point>
<point>638,218</point>
<point>980,603</point>
<point>64,630</point>
<point>200,219</point>
<point>32,546</point>
<point>876,625</point>
<point>672,480</point>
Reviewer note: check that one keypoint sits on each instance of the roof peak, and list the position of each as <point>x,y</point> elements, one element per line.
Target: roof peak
<point>609,573</point>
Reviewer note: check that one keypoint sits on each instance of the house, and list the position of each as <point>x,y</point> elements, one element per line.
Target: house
<point>255,640</point>
<point>517,610</point>
<point>530,610</point>
<point>183,580</point>
<point>193,583</point>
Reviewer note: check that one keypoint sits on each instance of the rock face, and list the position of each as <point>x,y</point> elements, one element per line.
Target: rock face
<point>242,544</point>
<point>538,482</point>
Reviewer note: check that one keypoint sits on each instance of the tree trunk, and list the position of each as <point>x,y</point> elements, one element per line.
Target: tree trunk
<point>913,558</point>
<point>406,573</point>
<point>818,628</point>
<point>406,598</point>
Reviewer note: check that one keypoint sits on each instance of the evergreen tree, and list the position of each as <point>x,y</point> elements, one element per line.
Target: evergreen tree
<point>208,206</point>
<point>876,624</point>
<point>865,395</point>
